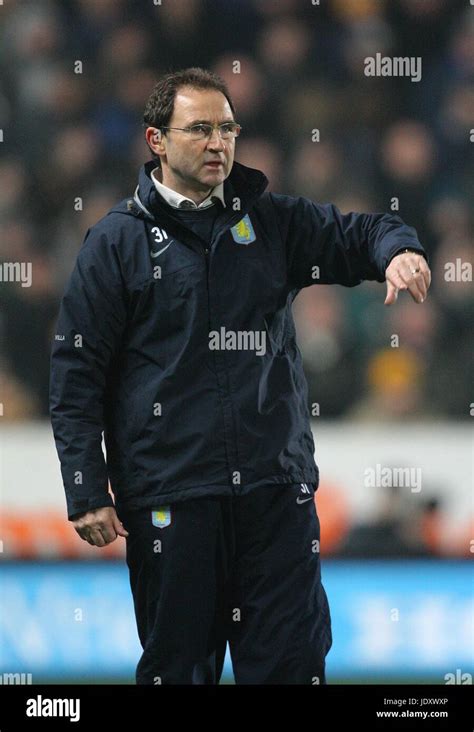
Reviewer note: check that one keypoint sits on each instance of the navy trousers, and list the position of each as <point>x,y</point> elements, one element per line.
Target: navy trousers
<point>241,569</point>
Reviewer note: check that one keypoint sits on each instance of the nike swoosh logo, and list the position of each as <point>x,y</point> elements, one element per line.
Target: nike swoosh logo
<point>157,254</point>
<point>303,500</point>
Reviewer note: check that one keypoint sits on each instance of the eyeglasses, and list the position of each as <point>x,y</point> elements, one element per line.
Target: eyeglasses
<point>227,130</point>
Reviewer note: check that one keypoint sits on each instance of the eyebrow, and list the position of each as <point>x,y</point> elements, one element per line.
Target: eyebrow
<point>208,122</point>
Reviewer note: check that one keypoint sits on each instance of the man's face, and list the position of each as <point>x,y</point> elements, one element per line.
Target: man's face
<point>185,161</point>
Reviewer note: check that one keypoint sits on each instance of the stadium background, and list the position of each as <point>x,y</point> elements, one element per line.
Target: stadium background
<point>395,561</point>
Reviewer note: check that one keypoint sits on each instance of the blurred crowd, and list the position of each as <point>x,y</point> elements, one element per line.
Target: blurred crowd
<point>75,76</point>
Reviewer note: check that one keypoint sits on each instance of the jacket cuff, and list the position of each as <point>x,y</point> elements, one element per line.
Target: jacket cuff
<point>408,249</point>
<point>78,506</point>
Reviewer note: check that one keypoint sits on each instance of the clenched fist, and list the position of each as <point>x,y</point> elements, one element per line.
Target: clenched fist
<point>100,526</point>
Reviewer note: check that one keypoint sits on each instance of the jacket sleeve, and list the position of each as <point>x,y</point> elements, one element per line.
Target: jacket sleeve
<point>90,325</point>
<point>324,246</point>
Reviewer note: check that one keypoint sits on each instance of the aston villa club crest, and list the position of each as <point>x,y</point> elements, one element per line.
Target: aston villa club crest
<point>161,517</point>
<point>243,232</point>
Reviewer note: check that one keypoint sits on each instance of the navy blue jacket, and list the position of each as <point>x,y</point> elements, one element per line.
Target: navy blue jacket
<point>153,346</point>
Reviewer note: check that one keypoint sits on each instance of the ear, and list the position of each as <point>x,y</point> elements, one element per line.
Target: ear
<point>155,140</point>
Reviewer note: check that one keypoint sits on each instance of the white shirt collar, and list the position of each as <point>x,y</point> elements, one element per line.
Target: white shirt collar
<point>175,199</point>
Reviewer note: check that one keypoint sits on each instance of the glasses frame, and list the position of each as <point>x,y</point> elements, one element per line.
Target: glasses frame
<point>208,136</point>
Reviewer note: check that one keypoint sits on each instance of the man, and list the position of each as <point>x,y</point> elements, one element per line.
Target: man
<point>176,339</point>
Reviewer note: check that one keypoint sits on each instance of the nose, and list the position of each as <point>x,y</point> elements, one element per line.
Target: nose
<point>215,141</point>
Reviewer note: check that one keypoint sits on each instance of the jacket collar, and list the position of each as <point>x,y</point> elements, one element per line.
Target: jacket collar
<point>176,200</point>
<point>244,185</point>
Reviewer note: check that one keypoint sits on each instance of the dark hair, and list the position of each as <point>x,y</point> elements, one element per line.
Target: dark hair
<point>160,104</point>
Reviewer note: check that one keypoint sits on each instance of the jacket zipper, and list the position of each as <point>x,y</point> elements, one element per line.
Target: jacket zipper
<point>206,257</point>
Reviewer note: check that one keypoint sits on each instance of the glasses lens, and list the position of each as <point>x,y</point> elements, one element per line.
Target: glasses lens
<point>199,132</point>
<point>228,130</point>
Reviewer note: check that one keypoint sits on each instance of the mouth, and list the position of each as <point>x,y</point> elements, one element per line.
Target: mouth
<point>214,165</point>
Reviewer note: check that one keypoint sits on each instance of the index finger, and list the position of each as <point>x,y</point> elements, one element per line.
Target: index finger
<point>414,281</point>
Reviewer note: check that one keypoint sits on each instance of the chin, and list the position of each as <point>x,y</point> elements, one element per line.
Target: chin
<point>214,175</point>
